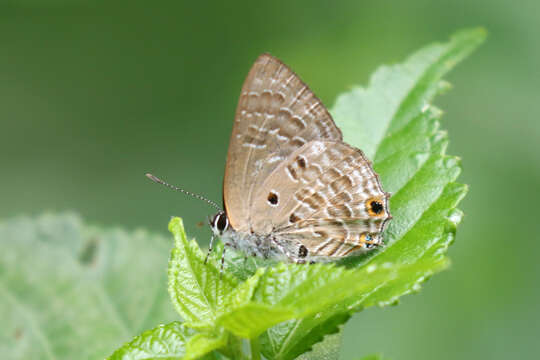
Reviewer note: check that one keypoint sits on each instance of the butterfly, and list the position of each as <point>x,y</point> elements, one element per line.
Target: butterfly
<point>293,189</point>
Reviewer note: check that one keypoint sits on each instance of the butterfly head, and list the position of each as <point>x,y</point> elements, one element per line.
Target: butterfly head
<point>219,223</point>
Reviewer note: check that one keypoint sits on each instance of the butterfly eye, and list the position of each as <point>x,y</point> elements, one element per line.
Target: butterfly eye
<point>222,223</point>
<point>273,198</point>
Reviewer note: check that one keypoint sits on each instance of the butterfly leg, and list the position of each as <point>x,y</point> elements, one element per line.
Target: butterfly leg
<point>210,248</point>
<point>223,259</point>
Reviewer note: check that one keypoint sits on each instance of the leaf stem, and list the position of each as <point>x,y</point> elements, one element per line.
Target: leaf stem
<point>233,350</point>
<point>255,349</point>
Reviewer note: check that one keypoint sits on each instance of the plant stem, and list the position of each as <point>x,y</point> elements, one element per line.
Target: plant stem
<point>255,349</point>
<point>234,349</point>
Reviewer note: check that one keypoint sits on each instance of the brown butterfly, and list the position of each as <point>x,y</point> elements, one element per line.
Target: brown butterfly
<point>293,190</point>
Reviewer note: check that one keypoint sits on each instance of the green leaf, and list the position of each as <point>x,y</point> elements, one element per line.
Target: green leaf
<point>70,291</point>
<point>329,349</point>
<point>282,342</point>
<point>374,357</point>
<point>289,291</point>
<point>397,93</point>
<point>394,123</point>
<point>302,304</point>
<point>202,343</point>
<point>196,289</point>
<point>173,341</point>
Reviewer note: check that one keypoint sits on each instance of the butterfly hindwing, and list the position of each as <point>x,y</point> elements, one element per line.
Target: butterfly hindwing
<point>324,196</point>
<point>322,179</point>
<point>333,238</point>
<point>277,114</point>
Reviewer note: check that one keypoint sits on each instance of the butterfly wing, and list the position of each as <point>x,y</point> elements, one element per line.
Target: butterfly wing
<point>277,114</point>
<point>329,199</point>
<point>331,238</point>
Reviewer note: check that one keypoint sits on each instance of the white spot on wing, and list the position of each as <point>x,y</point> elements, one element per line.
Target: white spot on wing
<point>274,159</point>
<point>255,146</point>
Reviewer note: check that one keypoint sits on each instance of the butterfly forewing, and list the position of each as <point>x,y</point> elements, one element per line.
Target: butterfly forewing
<point>277,114</point>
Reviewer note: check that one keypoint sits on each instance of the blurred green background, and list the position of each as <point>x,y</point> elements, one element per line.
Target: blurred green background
<point>95,94</point>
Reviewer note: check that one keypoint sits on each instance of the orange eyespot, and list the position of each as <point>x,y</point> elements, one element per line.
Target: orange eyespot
<point>367,241</point>
<point>375,207</point>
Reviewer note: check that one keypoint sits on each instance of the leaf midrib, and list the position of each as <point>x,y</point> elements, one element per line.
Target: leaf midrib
<point>191,261</point>
<point>113,309</point>
<point>288,338</point>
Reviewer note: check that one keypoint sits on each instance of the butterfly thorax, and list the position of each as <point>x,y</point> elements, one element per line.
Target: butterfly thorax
<point>248,243</point>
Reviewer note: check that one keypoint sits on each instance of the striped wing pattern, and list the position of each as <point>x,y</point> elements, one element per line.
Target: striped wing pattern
<point>277,113</point>
<point>325,194</point>
<point>289,176</point>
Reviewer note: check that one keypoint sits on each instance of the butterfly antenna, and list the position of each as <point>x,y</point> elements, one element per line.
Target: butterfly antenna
<point>197,196</point>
